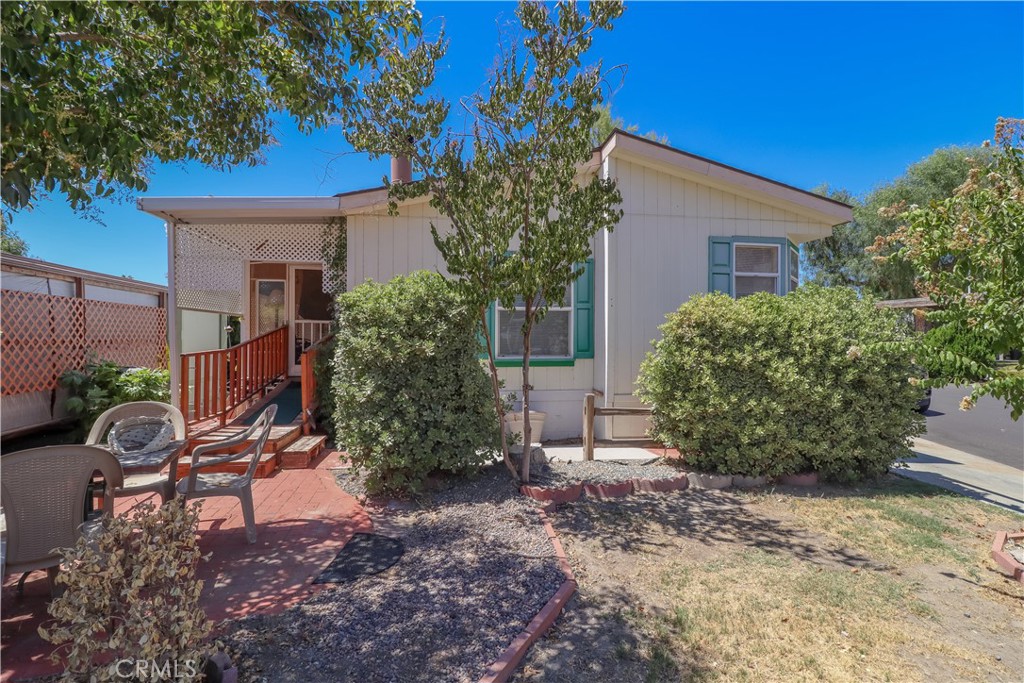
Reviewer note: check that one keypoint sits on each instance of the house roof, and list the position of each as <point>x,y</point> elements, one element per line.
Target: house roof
<point>29,266</point>
<point>673,159</point>
<point>619,143</point>
<point>916,302</point>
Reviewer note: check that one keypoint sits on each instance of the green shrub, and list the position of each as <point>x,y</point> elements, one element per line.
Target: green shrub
<point>104,384</point>
<point>324,372</point>
<point>410,395</point>
<point>971,343</point>
<point>769,385</point>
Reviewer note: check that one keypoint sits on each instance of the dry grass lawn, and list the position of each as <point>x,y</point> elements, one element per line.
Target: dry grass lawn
<point>890,582</point>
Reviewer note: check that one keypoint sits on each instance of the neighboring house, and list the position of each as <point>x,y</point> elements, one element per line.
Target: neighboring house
<point>52,317</point>
<point>690,225</point>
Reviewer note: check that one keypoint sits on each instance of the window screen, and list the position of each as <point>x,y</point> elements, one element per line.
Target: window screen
<point>756,269</point>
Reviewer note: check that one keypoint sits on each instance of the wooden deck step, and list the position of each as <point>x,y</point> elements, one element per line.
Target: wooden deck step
<point>268,463</point>
<point>281,436</point>
<point>301,452</point>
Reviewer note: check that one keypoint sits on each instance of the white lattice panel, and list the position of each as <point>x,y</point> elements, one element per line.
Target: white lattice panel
<point>209,259</point>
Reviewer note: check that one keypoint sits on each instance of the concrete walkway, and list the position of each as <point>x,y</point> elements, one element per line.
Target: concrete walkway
<point>966,474</point>
<point>575,453</point>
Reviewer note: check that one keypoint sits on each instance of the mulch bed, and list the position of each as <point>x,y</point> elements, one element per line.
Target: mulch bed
<point>477,568</point>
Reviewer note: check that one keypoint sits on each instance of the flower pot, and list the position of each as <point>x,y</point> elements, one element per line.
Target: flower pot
<point>707,480</point>
<point>802,479</point>
<point>514,425</point>
<point>743,482</point>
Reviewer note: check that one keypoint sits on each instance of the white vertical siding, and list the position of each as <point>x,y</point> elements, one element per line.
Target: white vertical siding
<point>382,246</point>
<point>658,259</point>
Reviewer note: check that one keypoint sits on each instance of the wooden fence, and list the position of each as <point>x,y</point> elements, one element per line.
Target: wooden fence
<point>214,383</point>
<point>43,336</point>
<point>590,411</point>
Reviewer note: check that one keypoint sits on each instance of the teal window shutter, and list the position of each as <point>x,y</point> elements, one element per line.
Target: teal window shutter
<point>490,330</point>
<point>583,312</point>
<point>720,265</point>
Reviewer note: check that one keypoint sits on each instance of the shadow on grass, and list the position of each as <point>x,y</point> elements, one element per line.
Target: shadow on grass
<point>650,523</point>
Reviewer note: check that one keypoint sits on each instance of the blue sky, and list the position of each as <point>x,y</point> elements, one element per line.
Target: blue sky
<point>805,93</point>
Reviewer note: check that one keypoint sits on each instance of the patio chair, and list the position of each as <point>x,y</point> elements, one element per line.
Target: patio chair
<point>206,485</point>
<point>43,492</point>
<point>138,484</point>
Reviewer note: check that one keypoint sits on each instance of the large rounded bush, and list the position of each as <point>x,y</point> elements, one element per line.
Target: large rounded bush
<point>410,396</point>
<point>769,385</point>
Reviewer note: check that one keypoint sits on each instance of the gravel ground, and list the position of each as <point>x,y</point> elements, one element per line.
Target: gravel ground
<point>477,568</point>
<point>603,472</point>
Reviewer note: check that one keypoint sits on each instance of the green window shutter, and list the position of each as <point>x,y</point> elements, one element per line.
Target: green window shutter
<point>583,312</point>
<point>490,329</point>
<point>720,265</point>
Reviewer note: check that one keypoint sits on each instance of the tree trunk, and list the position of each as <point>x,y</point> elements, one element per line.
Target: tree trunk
<point>496,389</point>
<point>524,466</point>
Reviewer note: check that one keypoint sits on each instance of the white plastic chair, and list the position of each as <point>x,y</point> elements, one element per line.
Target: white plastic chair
<point>207,485</point>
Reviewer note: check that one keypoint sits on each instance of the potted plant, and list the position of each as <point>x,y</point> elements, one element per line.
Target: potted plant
<point>513,410</point>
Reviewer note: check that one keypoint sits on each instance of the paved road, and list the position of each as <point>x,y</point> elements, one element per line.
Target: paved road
<point>986,431</point>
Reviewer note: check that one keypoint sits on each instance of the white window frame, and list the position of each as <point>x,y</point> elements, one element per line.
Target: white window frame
<point>570,306</point>
<point>794,255</point>
<point>780,276</point>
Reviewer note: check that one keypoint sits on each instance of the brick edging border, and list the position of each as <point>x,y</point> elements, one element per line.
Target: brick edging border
<point>1003,558</point>
<point>503,668</point>
<point>568,494</point>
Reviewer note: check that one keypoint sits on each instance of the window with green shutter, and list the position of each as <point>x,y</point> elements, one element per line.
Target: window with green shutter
<point>565,334</point>
<point>740,266</point>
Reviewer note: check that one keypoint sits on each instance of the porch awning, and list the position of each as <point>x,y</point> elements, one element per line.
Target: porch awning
<point>209,259</point>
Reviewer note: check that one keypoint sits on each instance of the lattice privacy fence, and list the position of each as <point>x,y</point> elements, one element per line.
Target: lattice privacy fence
<point>210,259</point>
<point>43,336</point>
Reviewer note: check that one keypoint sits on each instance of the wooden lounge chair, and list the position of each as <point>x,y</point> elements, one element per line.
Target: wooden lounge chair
<point>138,484</point>
<point>43,493</point>
<point>206,485</point>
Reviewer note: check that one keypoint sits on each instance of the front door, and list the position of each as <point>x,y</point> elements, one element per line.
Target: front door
<point>309,310</point>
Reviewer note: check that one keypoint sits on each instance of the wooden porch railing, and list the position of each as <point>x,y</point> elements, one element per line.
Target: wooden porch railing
<point>307,364</point>
<point>213,383</point>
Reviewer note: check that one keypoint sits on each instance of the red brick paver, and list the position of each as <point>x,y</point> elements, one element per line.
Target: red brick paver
<point>302,518</point>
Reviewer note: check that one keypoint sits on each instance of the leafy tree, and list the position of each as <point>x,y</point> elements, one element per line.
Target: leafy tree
<point>968,253</point>
<point>521,216</point>
<point>93,92</point>
<point>10,241</point>
<point>840,260</point>
<point>606,123</point>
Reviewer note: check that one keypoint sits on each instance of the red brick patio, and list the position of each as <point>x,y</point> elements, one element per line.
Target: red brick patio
<point>303,518</point>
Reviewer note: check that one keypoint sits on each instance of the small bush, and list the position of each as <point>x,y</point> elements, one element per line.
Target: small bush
<point>410,395</point>
<point>324,371</point>
<point>104,384</point>
<point>769,385</point>
<point>972,344</point>
<point>130,593</point>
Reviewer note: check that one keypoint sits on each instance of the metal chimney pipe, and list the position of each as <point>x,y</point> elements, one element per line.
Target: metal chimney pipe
<point>401,169</point>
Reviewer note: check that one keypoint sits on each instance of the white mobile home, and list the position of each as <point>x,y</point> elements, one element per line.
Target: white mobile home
<point>690,225</point>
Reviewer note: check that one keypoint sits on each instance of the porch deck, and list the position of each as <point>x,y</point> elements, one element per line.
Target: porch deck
<point>303,519</point>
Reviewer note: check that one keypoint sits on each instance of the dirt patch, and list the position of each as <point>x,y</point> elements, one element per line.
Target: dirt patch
<point>710,585</point>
